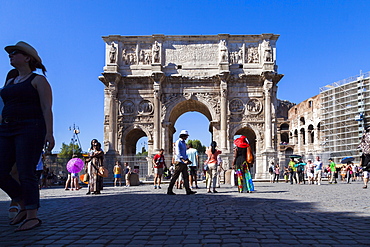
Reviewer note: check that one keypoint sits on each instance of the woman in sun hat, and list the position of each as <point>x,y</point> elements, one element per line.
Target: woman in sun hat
<point>26,127</point>
<point>243,160</point>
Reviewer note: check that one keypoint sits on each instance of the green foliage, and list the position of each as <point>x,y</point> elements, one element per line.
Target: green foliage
<point>198,146</point>
<point>143,152</point>
<point>67,151</point>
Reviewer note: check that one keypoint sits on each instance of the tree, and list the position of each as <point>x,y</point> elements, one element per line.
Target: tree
<point>143,152</point>
<point>67,151</point>
<point>198,146</point>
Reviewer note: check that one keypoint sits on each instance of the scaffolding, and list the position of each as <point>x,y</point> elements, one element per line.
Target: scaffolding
<point>345,109</point>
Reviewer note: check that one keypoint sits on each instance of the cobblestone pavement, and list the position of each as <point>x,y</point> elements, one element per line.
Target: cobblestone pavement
<point>277,214</point>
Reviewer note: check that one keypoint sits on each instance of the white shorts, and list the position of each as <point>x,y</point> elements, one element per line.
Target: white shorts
<point>366,174</point>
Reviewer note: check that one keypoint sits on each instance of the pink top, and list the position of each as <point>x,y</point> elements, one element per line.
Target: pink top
<point>212,158</point>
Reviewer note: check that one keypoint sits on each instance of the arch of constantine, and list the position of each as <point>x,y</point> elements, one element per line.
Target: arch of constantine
<point>150,81</point>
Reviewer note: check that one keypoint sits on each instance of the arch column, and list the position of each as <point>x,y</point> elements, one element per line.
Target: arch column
<point>223,110</point>
<point>157,78</point>
<point>267,86</point>
<point>111,81</point>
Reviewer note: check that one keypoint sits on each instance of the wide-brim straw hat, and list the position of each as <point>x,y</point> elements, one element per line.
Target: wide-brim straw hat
<point>26,48</point>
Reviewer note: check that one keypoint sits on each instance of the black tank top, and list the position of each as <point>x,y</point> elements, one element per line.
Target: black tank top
<point>21,100</point>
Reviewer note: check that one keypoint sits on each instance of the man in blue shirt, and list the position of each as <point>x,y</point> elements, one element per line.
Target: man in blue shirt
<point>181,162</point>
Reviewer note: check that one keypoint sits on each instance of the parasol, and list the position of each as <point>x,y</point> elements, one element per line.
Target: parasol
<point>295,156</point>
<point>75,165</point>
<point>347,159</point>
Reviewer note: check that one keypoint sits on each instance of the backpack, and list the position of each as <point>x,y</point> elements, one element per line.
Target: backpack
<point>271,170</point>
<point>300,168</point>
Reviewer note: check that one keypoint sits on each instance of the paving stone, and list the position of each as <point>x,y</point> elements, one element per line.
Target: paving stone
<point>276,215</point>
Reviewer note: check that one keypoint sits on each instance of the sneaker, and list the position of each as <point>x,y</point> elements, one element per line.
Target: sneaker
<point>191,192</point>
<point>159,187</point>
<point>197,187</point>
<point>170,193</point>
<point>155,186</point>
<point>365,187</point>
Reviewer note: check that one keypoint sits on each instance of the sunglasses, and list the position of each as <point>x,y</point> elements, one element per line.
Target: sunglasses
<point>15,52</point>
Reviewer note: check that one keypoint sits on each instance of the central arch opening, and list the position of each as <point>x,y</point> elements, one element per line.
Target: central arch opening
<point>196,124</point>
<point>193,116</point>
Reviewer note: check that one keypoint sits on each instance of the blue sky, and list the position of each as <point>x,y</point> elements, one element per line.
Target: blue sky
<point>320,42</point>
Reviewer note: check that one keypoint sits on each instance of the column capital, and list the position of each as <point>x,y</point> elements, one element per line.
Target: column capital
<point>157,77</point>
<point>224,76</point>
<point>111,80</point>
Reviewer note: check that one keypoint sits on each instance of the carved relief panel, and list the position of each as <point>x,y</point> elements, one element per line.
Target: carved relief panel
<point>129,56</point>
<point>252,54</point>
<point>145,107</point>
<point>127,107</point>
<point>236,106</point>
<point>254,106</point>
<point>236,53</point>
<point>145,54</point>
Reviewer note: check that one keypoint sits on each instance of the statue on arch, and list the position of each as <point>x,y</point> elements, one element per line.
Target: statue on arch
<point>267,50</point>
<point>112,53</point>
<point>156,50</point>
<point>223,51</point>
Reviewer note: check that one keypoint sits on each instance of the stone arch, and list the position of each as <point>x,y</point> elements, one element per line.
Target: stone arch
<point>284,126</point>
<point>295,136</point>
<point>311,134</point>
<point>131,136</point>
<point>284,137</point>
<point>183,106</point>
<point>302,133</point>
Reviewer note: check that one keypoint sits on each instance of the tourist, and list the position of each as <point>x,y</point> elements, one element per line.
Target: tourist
<point>292,171</point>
<point>317,170</point>
<point>349,171</point>
<point>286,174</point>
<point>354,172</point>
<point>40,168</point>
<point>26,126</point>
<point>95,160</point>
<point>310,167</point>
<point>158,165</point>
<point>75,179</point>
<point>300,170</point>
<point>333,171</point>
<point>127,174</point>
<point>243,160</point>
<point>193,156</point>
<point>181,162</point>
<point>68,182</point>
<point>117,173</point>
<point>212,154</point>
<point>365,157</point>
<point>271,171</point>
<point>219,170</point>
<point>276,173</point>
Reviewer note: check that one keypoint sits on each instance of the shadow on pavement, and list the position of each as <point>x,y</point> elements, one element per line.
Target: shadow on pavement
<point>204,219</point>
